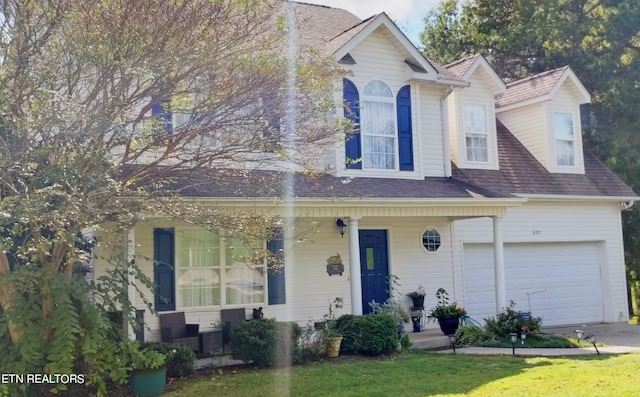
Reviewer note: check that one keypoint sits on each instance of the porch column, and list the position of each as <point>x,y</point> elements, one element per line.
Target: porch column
<point>354,267</point>
<point>498,257</point>
<point>130,255</point>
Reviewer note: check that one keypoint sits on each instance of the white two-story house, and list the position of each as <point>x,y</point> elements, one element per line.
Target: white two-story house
<point>451,179</point>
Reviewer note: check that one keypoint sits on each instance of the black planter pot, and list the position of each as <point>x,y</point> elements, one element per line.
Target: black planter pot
<point>449,324</point>
<point>417,323</point>
<point>418,302</point>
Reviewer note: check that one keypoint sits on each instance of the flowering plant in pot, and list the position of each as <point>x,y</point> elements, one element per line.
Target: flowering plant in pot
<point>417,298</point>
<point>447,314</point>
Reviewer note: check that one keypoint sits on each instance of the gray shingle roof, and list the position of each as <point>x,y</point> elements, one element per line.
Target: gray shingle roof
<point>268,184</point>
<point>460,67</point>
<point>530,87</point>
<point>521,173</point>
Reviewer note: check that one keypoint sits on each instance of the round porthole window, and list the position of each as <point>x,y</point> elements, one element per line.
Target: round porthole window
<point>431,240</point>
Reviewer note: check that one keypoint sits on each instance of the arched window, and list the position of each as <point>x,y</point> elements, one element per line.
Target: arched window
<point>378,126</point>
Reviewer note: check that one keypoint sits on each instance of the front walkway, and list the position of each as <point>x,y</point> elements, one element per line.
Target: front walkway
<point>617,338</point>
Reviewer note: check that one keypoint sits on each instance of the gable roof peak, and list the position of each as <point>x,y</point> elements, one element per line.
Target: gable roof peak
<point>540,87</point>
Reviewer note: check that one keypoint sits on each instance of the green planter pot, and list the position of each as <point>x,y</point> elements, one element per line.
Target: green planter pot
<point>148,382</point>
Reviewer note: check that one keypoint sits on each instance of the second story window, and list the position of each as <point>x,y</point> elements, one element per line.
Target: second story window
<point>564,138</point>
<point>476,132</point>
<point>378,126</point>
<point>381,138</point>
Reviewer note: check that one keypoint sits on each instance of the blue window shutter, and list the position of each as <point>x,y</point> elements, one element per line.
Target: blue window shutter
<point>162,112</point>
<point>405,139</point>
<point>276,278</point>
<point>352,113</point>
<point>164,269</point>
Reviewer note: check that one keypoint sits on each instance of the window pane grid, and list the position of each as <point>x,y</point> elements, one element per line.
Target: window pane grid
<point>378,127</point>
<point>205,270</point>
<point>563,132</point>
<point>476,132</point>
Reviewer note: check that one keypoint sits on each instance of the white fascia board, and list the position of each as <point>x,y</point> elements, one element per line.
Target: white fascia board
<point>523,103</point>
<point>500,86</point>
<point>568,74</point>
<point>366,202</point>
<point>375,23</point>
<point>558,197</point>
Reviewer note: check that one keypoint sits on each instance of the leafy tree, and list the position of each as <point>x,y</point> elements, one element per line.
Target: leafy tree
<point>86,88</point>
<point>599,39</point>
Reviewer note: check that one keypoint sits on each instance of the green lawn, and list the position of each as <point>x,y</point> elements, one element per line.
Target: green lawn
<point>429,374</point>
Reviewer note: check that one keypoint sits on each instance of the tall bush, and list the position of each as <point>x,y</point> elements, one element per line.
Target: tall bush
<point>371,334</point>
<point>266,343</point>
<point>511,321</point>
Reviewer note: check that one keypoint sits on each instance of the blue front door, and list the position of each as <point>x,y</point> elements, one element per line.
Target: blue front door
<point>374,265</point>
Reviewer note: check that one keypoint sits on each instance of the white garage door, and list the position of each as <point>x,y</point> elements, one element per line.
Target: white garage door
<point>559,282</point>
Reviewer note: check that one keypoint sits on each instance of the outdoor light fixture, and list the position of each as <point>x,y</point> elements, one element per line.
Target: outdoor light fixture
<point>514,337</point>
<point>452,341</point>
<point>592,339</point>
<point>579,334</point>
<point>523,336</point>
<point>342,227</point>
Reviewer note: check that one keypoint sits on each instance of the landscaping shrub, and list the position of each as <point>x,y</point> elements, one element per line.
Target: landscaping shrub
<point>266,342</point>
<point>180,358</point>
<point>509,321</point>
<point>371,334</point>
<point>471,335</point>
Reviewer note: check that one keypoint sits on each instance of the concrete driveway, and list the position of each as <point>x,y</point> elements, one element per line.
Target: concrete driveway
<point>611,334</point>
<point>617,338</point>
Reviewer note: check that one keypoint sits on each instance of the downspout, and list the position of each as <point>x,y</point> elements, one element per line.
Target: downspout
<point>445,130</point>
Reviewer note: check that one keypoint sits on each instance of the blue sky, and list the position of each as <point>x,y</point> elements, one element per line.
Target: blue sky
<point>408,14</point>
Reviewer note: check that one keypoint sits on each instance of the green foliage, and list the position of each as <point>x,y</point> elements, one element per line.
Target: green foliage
<point>509,321</point>
<point>472,335</point>
<point>138,357</point>
<point>392,308</point>
<point>371,334</point>
<point>405,343</point>
<point>266,342</point>
<point>80,333</point>
<point>443,308</point>
<point>180,358</point>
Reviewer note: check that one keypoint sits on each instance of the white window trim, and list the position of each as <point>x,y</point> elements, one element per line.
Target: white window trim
<point>396,152</point>
<point>472,134</point>
<point>222,267</point>
<point>422,240</point>
<point>572,140</point>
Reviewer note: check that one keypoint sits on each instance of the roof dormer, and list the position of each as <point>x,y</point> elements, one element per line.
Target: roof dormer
<point>543,112</point>
<point>471,114</point>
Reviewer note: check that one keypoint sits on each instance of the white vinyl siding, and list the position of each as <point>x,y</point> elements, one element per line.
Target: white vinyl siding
<point>558,222</point>
<point>378,59</point>
<point>533,125</point>
<point>472,127</point>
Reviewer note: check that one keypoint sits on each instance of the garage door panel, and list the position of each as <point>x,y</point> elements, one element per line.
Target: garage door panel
<point>559,282</point>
